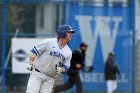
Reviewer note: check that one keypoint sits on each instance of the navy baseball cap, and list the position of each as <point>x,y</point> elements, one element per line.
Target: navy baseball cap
<point>65,28</point>
<point>111,54</point>
<point>83,44</point>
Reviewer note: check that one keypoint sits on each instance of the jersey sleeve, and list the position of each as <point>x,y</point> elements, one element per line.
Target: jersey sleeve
<point>38,49</point>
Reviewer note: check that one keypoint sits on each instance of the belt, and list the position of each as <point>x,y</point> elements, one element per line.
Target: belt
<point>37,70</point>
<point>42,73</point>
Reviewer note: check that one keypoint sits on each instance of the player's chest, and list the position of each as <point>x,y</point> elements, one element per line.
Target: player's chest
<point>55,47</point>
<point>57,52</point>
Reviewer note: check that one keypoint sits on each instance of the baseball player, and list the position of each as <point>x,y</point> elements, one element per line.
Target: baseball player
<point>111,70</point>
<point>48,60</point>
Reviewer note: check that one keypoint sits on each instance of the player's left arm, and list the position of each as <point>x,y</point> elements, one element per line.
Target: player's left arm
<point>66,64</point>
<point>116,69</point>
<point>61,69</point>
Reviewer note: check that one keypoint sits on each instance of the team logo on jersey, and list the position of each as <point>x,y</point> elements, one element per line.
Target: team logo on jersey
<point>57,54</point>
<point>20,55</point>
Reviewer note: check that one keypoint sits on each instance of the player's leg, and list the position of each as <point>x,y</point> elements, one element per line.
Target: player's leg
<point>114,85</point>
<point>78,83</point>
<point>109,86</point>
<point>47,85</point>
<point>65,86</point>
<point>34,83</point>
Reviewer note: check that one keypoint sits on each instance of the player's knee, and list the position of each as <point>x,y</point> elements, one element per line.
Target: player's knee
<point>32,90</point>
<point>110,91</point>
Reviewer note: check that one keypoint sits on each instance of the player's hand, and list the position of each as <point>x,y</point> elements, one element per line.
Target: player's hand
<point>78,66</point>
<point>88,69</point>
<point>30,66</point>
<point>58,71</point>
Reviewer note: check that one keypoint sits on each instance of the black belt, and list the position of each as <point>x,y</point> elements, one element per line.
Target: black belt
<point>37,70</point>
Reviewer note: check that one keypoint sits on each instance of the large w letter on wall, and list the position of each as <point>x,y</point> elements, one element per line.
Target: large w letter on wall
<point>90,34</point>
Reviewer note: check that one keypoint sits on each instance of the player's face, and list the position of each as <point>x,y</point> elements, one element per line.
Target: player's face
<point>68,35</point>
<point>111,57</point>
<point>84,48</point>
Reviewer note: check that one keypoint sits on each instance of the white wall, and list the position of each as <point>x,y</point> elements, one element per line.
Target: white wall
<point>138,19</point>
<point>51,15</point>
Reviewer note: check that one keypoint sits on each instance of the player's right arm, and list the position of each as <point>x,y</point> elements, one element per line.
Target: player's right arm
<point>32,57</point>
<point>30,63</point>
<point>35,51</point>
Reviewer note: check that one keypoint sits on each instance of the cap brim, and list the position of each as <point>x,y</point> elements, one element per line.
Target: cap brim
<point>85,45</point>
<point>111,54</point>
<point>72,31</point>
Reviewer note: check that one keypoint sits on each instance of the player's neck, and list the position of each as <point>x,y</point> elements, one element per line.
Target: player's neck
<point>62,42</point>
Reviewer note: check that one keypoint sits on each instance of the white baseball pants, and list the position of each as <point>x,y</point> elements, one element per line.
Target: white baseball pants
<point>39,83</point>
<point>111,86</point>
